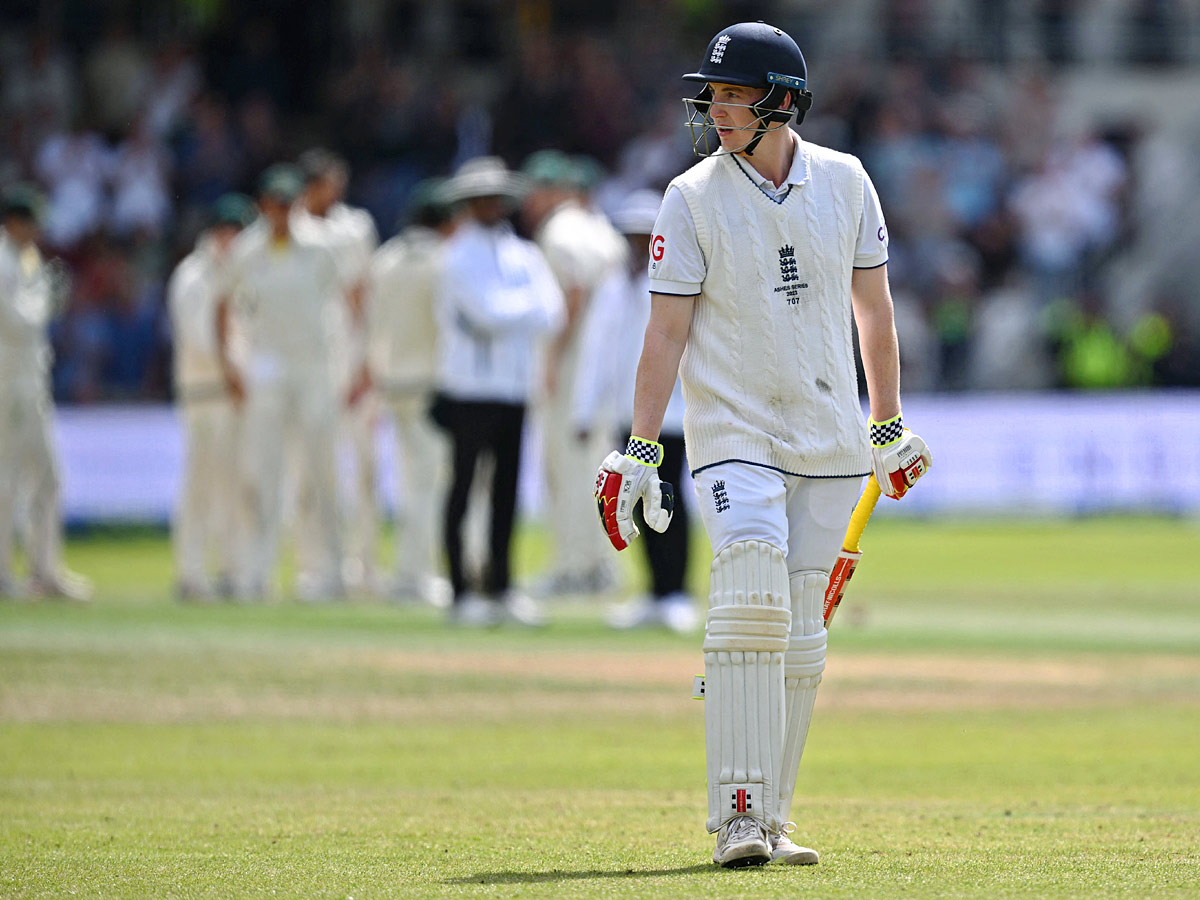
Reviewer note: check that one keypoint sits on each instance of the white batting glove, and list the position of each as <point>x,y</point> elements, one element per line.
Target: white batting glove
<point>898,457</point>
<point>625,479</point>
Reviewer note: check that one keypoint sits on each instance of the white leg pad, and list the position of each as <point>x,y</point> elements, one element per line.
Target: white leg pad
<point>744,645</point>
<point>802,667</point>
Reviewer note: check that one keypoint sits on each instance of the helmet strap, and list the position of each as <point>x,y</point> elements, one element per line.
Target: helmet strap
<point>769,113</point>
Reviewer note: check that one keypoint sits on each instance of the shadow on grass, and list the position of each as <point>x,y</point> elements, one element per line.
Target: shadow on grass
<point>566,875</point>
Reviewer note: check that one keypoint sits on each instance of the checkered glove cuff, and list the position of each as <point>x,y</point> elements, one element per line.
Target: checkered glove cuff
<point>648,453</point>
<point>884,433</point>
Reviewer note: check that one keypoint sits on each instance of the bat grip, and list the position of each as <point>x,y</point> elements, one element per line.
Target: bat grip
<point>862,512</point>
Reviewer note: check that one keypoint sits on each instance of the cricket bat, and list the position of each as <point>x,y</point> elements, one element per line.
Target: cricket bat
<point>848,559</point>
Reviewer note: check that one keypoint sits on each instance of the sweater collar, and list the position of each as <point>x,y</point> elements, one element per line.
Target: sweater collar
<point>797,175</point>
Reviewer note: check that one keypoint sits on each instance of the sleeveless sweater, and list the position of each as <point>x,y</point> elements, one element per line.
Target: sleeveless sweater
<point>768,372</point>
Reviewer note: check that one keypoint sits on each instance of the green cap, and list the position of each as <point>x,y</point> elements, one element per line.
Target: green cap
<point>429,203</point>
<point>587,173</point>
<point>549,167</point>
<point>282,181</point>
<point>233,209</point>
<point>23,199</point>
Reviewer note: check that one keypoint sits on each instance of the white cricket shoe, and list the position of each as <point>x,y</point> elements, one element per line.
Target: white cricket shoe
<point>62,585</point>
<point>641,612</point>
<point>521,609</point>
<point>674,611</point>
<point>785,852</point>
<point>742,841</point>
<point>475,611</point>
<point>679,613</point>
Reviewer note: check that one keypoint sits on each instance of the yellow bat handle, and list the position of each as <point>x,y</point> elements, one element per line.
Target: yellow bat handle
<point>862,512</point>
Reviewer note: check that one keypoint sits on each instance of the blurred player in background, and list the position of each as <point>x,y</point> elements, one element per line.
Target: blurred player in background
<point>401,302</point>
<point>351,233</point>
<point>581,249</point>
<point>611,343</point>
<point>762,255</point>
<point>280,285</point>
<point>498,300</point>
<point>204,528</point>
<point>29,486</point>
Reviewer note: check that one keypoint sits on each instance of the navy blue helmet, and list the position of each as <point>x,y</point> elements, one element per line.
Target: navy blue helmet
<point>751,54</point>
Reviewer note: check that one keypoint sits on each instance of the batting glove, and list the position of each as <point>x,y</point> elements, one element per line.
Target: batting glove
<point>898,457</point>
<point>622,481</point>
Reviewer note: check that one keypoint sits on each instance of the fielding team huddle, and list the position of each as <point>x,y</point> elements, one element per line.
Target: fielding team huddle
<point>762,256</point>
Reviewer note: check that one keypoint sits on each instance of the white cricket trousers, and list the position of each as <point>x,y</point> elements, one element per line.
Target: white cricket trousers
<point>422,458</point>
<point>805,517</point>
<point>358,427</point>
<point>206,530</point>
<point>28,477</point>
<point>293,416</point>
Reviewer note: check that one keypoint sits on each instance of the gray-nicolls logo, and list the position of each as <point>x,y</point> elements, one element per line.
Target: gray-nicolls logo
<point>718,51</point>
<point>720,498</point>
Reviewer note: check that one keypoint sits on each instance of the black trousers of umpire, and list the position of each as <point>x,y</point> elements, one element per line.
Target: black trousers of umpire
<point>476,428</point>
<point>668,552</point>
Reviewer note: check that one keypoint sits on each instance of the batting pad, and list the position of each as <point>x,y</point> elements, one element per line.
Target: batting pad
<point>802,667</point>
<point>744,644</point>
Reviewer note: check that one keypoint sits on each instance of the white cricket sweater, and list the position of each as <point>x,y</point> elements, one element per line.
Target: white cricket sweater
<point>401,300</point>
<point>768,372</point>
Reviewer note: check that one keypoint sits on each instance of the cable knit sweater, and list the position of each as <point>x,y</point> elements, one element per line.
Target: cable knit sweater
<point>768,373</point>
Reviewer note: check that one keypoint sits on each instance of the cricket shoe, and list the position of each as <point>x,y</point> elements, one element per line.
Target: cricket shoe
<point>62,585</point>
<point>742,841</point>
<point>674,611</point>
<point>786,852</point>
<point>433,590</point>
<point>679,613</point>
<point>475,611</point>
<point>521,609</point>
<point>642,612</point>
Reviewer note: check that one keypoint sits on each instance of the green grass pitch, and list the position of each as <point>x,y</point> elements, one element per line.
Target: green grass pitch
<point>1009,710</point>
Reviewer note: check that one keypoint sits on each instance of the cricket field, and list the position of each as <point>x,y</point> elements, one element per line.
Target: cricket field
<point>1010,709</point>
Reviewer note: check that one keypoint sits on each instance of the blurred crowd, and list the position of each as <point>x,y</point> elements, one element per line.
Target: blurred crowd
<point>1028,242</point>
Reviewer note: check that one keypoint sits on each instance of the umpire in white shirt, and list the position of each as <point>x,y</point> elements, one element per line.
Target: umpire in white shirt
<point>498,299</point>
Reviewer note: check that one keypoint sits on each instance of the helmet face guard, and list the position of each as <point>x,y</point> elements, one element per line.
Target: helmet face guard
<point>768,117</point>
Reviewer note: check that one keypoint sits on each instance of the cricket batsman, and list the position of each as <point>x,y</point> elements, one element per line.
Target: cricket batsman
<point>28,462</point>
<point>763,254</point>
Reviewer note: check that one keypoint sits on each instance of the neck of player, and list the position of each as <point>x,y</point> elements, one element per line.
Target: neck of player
<point>772,158</point>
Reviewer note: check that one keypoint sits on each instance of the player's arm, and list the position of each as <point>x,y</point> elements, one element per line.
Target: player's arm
<point>233,378</point>
<point>898,457</point>
<point>666,336</point>
<point>876,321</point>
<point>625,478</point>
